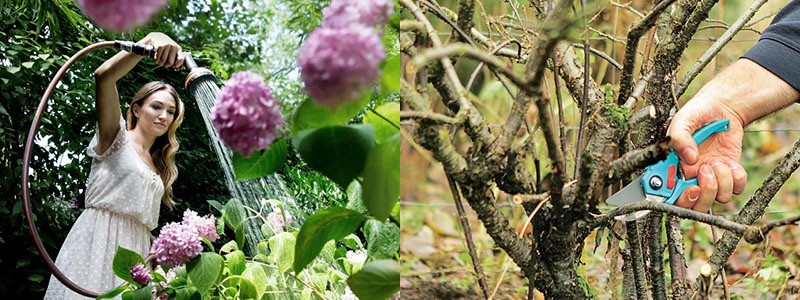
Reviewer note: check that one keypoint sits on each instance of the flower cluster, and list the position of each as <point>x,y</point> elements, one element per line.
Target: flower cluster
<point>356,258</point>
<point>176,245</point>
<point>246,115</point>
<point>140,274</point>
<point>276,218</point>
<point>205,226</point>
<point>121,15</point>
<point>343,13</point>
<point>341,59</point>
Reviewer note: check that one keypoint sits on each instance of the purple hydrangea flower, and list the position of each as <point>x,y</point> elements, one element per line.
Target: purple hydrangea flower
<point>140,274</point>
<point>205,226</point>
<point>343,13</point>
<point>121,15</point>
<point>176,245</point>
<point>277,220</point>
<point>246,115</point>
<point>339,65</point>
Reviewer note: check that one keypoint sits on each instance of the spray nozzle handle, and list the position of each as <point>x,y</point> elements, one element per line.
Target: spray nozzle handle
<point>136,48</point>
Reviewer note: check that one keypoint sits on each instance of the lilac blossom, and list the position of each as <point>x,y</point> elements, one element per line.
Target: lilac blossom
<point>176,245</point>
<point>339,65</point>
<point>246,115</point>
<point>343,13</point>
<point>205,226</point>
<point>140,274</point>
<point>121,15</point>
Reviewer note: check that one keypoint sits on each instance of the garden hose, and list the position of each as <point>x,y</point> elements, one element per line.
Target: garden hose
<point>136,48</point>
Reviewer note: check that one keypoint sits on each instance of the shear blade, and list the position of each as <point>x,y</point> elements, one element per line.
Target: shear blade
<point>631,193</point>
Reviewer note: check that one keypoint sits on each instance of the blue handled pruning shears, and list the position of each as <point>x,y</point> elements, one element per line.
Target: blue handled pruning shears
<point>662,181</point>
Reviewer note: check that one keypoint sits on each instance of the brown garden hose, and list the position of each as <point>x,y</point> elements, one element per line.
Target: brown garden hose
<point>26,164</point>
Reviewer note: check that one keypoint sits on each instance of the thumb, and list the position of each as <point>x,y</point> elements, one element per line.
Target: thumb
<point>680,133</point>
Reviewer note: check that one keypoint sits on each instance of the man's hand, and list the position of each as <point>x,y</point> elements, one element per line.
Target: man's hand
<point>716,162</point>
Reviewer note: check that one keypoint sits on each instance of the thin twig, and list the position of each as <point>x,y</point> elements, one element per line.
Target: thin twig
<point>453,49</point>
<point>601,54</point>
<point>656,247</point>
<point>677,262</point>
<point>462,219</point>
<point>431,116</point>
<point>636,257</point>
<point>716,47</point>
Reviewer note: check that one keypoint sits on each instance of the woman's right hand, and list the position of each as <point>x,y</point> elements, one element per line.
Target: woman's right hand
<point>168,53</point>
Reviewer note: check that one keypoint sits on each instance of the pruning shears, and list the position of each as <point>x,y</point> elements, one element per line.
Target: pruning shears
<point>662,181</point>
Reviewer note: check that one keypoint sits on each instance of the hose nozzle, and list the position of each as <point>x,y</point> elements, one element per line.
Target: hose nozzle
<point>136,48</point>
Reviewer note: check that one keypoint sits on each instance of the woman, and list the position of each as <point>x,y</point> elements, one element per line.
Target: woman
<point>132,170</point>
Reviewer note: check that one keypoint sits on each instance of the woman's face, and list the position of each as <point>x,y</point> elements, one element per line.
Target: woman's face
<point>156,113</point>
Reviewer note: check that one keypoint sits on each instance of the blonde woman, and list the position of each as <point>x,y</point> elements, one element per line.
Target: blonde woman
<point>132,172</point>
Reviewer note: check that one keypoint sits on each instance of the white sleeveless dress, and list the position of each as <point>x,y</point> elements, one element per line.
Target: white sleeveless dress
<point>122,203</point>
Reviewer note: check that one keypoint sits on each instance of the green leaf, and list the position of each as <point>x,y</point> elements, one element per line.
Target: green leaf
<point>114,292</point>
<point>234,217</point>
<point>382,178</point>
<point>124,259</point>
<point>13,69</point>
<point>354,201</point>
<point>378,279</point>
<point>385,119</point>
<point>383,239</point>
<point>261,163</point>
<point>352,241</point>
<point>324,225</point>
<point>236,262</point>
<point>338,152</point>
<point>282,246</point>
<point>309,115</point>
<point>144,293</point>
<point>204,270</point>
<point>247,290</point>
<point>257,276</point>
<point>27,64</point>
<point>390,75</point>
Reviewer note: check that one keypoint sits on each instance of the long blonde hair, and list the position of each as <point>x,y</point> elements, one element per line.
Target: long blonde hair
<point>164,148</point>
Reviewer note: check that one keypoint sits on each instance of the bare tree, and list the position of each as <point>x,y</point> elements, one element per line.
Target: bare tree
<point>617,137</point>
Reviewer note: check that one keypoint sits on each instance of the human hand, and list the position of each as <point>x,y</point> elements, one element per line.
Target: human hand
<point>168,53</point>
<point>715,163</point>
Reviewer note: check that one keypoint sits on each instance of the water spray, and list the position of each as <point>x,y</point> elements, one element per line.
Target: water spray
<point>195,73</point>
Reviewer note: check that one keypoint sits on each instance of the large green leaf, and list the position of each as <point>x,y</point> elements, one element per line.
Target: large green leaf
<point>124,259</point>
<point>282,247</point>
<point>381,188</point>
<point>257,276</point>
<point>378,279</point>
<point>143,293</point>
<point>338,152</point>
<point>385,119</point>
<point>323,226</point>
<point>309,115</point>
<point>261,163</point>
<point>383,239</point>
<point>204,270</point>
<point>235,262</point>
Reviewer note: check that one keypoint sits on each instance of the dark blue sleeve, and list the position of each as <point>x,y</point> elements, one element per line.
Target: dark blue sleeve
<point>778,48</point>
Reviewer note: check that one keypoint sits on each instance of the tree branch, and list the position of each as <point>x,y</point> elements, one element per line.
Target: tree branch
<point>677,262</point>
<point>457,49</point>
<point>755,207</point>
<point>634,34</point>
<point>636,160</point>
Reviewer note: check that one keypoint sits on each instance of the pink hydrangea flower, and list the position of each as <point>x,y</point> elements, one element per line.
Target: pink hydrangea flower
<point>339,65</point>
<point>246,115</point>
<point>121,15</point>
<point>176,245</point>
<point>205,226</point>
<point>277,220</point>
<point>140,274</point>
<point>343,13</point>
